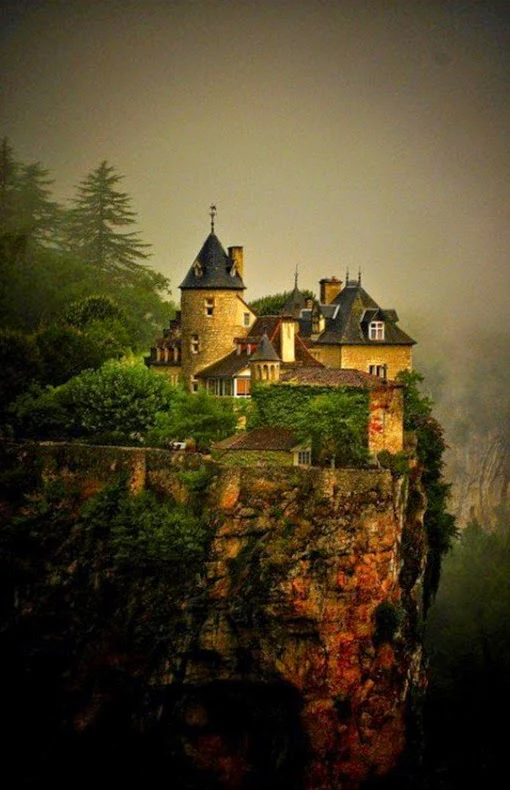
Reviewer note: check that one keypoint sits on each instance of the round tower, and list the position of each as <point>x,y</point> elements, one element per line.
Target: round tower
<point>210,307</point>
<point>265,362</point>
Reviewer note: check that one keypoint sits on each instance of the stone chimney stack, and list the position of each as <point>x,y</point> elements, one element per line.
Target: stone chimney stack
<point>329,289</point>
<point>236,254</point>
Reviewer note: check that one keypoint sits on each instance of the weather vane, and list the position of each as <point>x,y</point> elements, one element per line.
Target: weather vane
<point>212,214</point>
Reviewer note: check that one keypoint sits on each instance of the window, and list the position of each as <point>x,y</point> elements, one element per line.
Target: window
<point>378,370</point>
<point>246,319</point>
<point>197,268</point>
<point>220,387</point>
<point>376,330</point>
<point>304,457</point>
<point>194,384</point>
<point>195,344</point>
<point>209,307</point>
<point>243,388</point>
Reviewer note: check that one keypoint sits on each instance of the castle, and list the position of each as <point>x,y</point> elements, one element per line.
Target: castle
<point>344,339</point>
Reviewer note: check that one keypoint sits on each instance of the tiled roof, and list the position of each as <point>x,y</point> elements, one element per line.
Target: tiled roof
<point>347,325</point>
<point>227,367</point>
<point>333,377</point>
<point>212,269</point>
<point>260,439</point>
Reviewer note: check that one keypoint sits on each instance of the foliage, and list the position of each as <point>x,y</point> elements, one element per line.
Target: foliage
<point>26,209</point>
<point>119,396</point>
<point>20,363</point>
<point>143,532</point>
<point>335,420</point>
<point>38,279</point>
<point>40,414</point>
<point>199,416</point>
<point>274,304</point>
<point>85,312</point>
<point>65,352</point>
<point>397,463</point>
<point>468,643</point>
<point>93,225</point>
<point>337,423</point>
<point>439,524</point>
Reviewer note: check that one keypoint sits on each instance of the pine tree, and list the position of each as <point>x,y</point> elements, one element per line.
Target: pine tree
<point>94,225</point>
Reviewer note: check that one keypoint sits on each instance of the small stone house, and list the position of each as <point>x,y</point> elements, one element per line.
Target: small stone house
<point>274,446</point>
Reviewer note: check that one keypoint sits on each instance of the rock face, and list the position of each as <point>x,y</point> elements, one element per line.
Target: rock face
<point>309,589</point>
<point>301,654</point>
<point>480,473</point>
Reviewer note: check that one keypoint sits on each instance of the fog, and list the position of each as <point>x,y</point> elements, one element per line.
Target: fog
<point>329,134</point>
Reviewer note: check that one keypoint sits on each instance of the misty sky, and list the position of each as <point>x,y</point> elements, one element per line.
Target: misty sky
<point>329,134</point>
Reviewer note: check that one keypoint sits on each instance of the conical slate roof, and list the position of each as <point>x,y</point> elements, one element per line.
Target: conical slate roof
<point>212,269</point>
<point>265,351</point>
<point>295,303</point>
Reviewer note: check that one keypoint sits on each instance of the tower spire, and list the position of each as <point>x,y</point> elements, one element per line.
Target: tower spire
<point>296,277</point>
<point>212,214</point>
<point>359,276</point>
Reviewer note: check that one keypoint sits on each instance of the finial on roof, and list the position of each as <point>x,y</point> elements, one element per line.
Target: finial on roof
<point>212,214</point>
<point>359,276</point>
<point>347,276</point>
<point>296,276</point>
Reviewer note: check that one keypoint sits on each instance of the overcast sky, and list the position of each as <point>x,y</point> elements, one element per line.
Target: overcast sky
<point>329,134</point>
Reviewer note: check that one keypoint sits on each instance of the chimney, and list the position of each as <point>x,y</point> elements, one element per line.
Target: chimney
<point>329,290</point>
<point>236,254</point>
<point>287,338</point>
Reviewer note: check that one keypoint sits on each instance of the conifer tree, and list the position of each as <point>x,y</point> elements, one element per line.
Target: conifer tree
<point>26,208</point>
<point>96,223</point>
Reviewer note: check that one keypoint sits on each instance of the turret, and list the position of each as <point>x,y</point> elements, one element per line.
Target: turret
<point>265,362</point>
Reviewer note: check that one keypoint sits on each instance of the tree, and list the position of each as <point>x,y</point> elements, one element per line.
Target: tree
<point>274,304</point>
<point>95,224</point>
<point>199,416</point>
<point>26,208</point>
<point>337,425</point>
<point>20,363</point>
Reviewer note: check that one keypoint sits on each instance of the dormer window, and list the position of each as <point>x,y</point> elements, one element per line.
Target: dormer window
<point>197,268</point>
<point>376,330</point>
<point>233,269</point>
<point>209,307</point>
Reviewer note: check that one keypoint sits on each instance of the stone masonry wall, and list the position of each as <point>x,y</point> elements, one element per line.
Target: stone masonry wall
<point>216,332</point>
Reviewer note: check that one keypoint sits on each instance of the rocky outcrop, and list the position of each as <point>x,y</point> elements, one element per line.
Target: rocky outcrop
<point>299,653</point>
<point>480,473</point>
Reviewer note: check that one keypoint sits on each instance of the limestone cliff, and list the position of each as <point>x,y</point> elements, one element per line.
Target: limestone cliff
<point>479,469</point>
<point>297,654</point>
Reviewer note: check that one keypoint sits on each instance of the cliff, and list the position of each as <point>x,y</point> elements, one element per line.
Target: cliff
<point>294,655</point>
<point>479,469</point>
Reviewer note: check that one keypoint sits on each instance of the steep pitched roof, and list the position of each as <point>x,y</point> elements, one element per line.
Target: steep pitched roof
<point>349,324</point>
<point>295,303</point>
<point>212,269</point>
<point>265,351</point>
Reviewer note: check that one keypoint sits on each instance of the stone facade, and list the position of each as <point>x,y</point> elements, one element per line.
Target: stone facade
<point>361,357</point>
<point>210,322</point>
